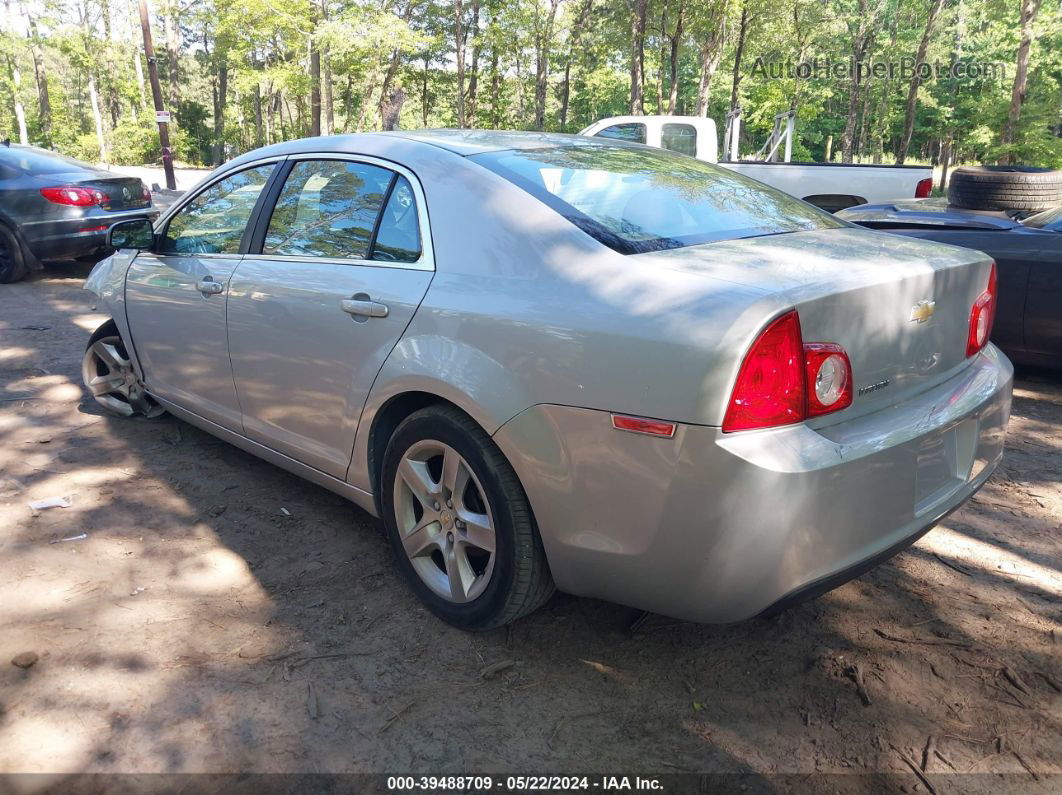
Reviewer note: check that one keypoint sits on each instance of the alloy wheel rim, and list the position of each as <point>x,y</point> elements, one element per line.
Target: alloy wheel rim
<point>110,377</point>
<point>444,521</point>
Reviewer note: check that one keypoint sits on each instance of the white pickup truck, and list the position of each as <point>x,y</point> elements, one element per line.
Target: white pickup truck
<point>831,186</point>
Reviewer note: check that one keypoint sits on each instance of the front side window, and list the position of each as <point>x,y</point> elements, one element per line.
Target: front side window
<point>681,138</point>
<point>635,132</point>
<point>328,208</point>
<point>214,221</point>
<point>635,199</point>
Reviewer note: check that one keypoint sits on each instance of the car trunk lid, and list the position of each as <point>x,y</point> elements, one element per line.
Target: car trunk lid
<point>123,193</point>
<point>899,307</point>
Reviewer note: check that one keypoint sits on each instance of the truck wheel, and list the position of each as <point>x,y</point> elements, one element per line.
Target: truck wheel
<point>1005,188</point>
<point>12,261</point>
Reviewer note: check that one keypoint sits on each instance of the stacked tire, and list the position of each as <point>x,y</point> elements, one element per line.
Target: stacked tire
<point>1005,188</point>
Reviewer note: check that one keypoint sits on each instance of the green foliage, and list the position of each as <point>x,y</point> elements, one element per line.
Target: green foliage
<point>374,48</point>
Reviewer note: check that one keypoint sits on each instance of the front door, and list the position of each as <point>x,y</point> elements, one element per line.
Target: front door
<point>176,298</point>
<point>312,316</point>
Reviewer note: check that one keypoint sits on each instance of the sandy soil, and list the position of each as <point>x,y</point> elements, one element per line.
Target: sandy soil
<point>196,609</point>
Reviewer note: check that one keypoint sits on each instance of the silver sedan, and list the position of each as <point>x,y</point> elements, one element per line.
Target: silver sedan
<point>556,362</point>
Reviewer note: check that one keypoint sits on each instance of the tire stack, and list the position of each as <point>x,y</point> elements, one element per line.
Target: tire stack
<point>1005,188</point>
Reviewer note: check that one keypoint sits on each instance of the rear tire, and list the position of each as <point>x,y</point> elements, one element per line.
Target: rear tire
<point>12,258</point>
<point>432,526</point>
<point>1005,188</point>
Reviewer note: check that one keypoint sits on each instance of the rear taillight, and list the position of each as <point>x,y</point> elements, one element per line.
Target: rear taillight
<point>829,378</point>
<point>981,316</point>
<point>924,188</point>
<point>145,194</point>
<point>783,380</point>
<point>770,388</point>
<point>75,196</point>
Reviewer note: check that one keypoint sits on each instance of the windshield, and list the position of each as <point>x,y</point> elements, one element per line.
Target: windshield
<point>637,199</point>
<point>1048,219</point>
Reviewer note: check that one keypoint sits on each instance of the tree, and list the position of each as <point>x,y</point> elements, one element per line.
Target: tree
<point>710,28</point>
<point>638,11</point>
<point>916,79</point>
<point>543,35</point>
<point>1029,10</point>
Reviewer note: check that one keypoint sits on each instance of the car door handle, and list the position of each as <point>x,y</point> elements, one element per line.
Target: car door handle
<point>208,286</point>
<point>363,307</point>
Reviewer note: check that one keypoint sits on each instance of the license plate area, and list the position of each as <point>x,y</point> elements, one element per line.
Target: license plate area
<point>944,464</point>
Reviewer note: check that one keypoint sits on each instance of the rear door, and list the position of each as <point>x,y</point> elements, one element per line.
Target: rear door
<point>1043,309</point>
<point>340,265</point>
<point>175,296</point>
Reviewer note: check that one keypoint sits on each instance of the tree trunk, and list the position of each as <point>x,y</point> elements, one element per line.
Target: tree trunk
<point>543,37</point>
<point>743,30</point>
<point>220,95</point>
<point>96,117</point>
<point>40,73</point>
<point>573,40</point>
<point>392,70</point>
<point>473,80</point>
<point>495,89</point>
<point>916,80</point>
<point>639,8</point>
<point>711,52</point>
<point>256,101</point>
<point>327,97</point>
<point>391,110</point>
<point>676,44</point>
<point>459,44</point>
<point>171,24</point>
<point>424,90</point>
<point>315,89</point>
<point>1029,10</point>
<point>861,39</point>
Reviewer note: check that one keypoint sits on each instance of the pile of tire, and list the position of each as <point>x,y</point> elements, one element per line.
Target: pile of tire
<point>1005,188</point>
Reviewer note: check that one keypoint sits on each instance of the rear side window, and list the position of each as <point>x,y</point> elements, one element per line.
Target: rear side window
<point>328,208</point>
<point>635,132</point>
<point>215,220</point>
<point>681,138</point>
<point>636,199</point>
<point>398,234</point>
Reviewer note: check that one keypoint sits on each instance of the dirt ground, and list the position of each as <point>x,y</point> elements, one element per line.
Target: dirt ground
<point>196,609</point>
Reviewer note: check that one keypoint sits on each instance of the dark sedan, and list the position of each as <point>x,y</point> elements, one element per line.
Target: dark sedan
<point>55,208</point>
<point>1028,252</point>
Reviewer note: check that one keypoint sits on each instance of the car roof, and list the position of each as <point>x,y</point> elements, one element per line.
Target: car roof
<point>930,212</point>
<point>460,142</point>
<point>471,142</point>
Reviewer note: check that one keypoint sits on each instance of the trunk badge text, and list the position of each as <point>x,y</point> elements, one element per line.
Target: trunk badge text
<point>922,311</point>
<point>866,390</point>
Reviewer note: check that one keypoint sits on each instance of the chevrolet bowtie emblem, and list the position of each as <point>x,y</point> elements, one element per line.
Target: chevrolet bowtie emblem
<point>922,311</point>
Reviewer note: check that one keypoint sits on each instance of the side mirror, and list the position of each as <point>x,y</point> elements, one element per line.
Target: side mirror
<point>137,233</point>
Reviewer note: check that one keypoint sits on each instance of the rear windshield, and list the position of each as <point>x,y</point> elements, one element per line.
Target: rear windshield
<point>39,162</point>
<point>637,199</point>
<point>1048,219</point>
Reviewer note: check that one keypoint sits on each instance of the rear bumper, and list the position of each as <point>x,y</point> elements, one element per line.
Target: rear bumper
<point>718,527</point>
<point>71,238</point>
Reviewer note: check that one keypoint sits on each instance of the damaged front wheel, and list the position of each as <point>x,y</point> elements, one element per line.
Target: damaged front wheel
<point>110,378</point>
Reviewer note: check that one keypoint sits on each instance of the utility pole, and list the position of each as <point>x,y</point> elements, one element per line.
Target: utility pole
<point>161,116</point>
